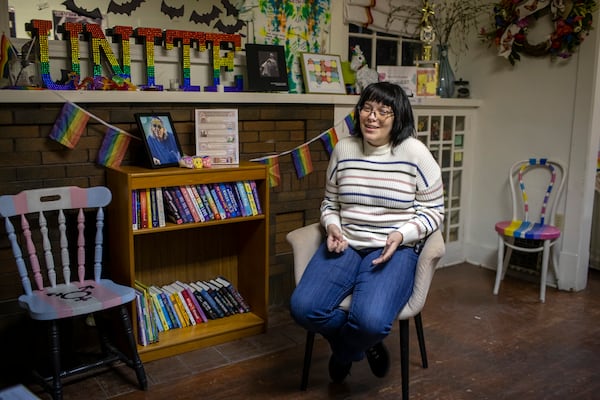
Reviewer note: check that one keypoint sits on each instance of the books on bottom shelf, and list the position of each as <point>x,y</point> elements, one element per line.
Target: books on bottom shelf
<point>153,207</point>
<point>180,304</point>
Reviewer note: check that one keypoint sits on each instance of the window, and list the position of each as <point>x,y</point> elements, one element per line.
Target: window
<point>384,48</point>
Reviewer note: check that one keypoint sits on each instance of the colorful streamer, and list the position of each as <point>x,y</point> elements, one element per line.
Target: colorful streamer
<point>113,147</point>
<point>302,161</point>
<point>70,125</point>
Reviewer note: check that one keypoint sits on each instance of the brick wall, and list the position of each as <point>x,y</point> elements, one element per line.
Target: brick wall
<point>28,159</point>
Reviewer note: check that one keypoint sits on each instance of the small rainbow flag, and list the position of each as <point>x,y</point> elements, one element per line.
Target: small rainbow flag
<point>113,148</point>
<point>329,139</point>
<point>349,120</point>
<point>272,164</point>
<point>7,53</point>
<point>69,125</point>
<point>302,161</point>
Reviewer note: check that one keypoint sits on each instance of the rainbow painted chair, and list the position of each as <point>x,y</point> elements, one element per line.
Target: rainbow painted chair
<point>532,228</point>
<point>50,220</point>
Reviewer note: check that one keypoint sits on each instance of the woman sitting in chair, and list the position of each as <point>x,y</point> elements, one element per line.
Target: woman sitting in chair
<point>383,197</point>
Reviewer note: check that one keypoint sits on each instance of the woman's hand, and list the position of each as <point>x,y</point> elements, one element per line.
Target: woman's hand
<point>394,240</point>
<point>335,239</point>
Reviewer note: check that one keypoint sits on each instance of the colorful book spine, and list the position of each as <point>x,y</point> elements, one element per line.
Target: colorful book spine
<point>220,199</point>
<point>230,199</point>
<point>143,209</point>
<point>160,207</point>
<point>250,197</point>
<point>190,203</point>
<point>217,202</point>
<point>134,200</point>
<point>159,312</point>
<point>180,201</point>
<point>171,210</point>
<point>149,207</point>
<point>201,207</point>
<point>176,323</point>
<point>190,294</point>
<point>241,190</point>
<point>141,321</point>
<point>255,196</point>
<point>209,211</point>
<point>209,299</point>
<point>210,201</point>
<point>229,286</point>
<point>215,297</point>
<point>181,314</point>
<point>153,207</point>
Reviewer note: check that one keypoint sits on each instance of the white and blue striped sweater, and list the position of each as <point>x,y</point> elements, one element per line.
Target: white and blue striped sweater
<point>371,192</point>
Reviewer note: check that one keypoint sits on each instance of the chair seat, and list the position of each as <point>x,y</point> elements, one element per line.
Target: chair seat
<point>527,230</point>
<point>74,299</point>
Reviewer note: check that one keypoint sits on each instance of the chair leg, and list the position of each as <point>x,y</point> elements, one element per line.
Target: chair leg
<point>308,349</point>
<point>54,350</point>
<point>403,323</point>
<point>136,363</point>
<point>499,264</point>
<point>543,278</point>
<point>421,337</point>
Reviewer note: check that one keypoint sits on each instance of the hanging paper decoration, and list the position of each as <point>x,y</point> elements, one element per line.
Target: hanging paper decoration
<point>70,125</point>
<point>329,139</point>
<point>272,163</point>
<point>113,147</point>
<point>302,161</point>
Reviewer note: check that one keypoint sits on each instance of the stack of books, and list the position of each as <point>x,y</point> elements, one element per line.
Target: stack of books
<point>179,304</point>
<point>194,203</point>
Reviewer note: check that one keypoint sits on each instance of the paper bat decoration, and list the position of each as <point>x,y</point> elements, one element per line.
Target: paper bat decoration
<point>205,18</point>
<point>172,12</point>
<point>230,8</point>
<point>71,6</point>
<point>124,8</point>
<point>221,27</point>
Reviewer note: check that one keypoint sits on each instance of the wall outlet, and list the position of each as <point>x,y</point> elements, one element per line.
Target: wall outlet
<point>559,221</point>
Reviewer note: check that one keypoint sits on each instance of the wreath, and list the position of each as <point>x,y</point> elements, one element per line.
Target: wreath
<point>572,22</point>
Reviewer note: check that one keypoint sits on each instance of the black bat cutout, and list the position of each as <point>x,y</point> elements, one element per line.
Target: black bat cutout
<point>230,8</point>
<point>205,18</point>
<point>124,8</point>
<point>71,6</point>
<point>172,12</point>
<point>221,27</point>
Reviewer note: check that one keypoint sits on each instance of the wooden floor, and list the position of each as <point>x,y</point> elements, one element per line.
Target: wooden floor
<point>480,346</point>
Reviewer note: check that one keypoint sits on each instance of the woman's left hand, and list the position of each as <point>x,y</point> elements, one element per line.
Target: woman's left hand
<point>394,240</point>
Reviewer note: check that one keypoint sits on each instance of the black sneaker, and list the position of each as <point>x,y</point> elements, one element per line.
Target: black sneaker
<point>338,371</point>
<point>379,360</point>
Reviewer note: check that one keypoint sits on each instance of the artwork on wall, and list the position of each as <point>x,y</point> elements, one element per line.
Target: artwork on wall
<point>266,68</point>
<point>322,73</point>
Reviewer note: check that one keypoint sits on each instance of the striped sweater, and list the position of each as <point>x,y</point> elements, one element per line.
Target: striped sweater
<point>371,192</point>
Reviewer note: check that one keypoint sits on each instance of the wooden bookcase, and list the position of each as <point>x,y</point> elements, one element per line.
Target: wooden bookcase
<point>236,248</point>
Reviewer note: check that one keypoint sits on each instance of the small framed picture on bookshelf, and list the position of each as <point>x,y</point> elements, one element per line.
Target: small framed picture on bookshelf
<point>267,70</point>
<point>322,73</point>
<point>160,139</point>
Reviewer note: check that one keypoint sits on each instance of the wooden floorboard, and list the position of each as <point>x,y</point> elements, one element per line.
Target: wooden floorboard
<point>480,346</point>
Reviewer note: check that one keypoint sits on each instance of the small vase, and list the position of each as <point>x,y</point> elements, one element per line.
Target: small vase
<point>446,75</point>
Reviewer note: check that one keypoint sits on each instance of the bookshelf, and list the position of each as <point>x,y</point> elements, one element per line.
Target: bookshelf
<point>236,248</point>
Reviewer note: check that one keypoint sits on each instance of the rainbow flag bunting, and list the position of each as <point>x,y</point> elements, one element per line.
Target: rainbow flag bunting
<point>7,53</point>
<point>113,148</point>
<point>272,164</point>
<point>69,125</point>
<point>349,120</point>
<point>302,161</point>
<point>329,139</point>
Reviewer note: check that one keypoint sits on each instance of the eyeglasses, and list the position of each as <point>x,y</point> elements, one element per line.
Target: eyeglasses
<point>381,114</point>
<point>156,126</point>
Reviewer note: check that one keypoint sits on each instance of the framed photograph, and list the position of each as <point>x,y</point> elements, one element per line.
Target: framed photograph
<point>322,73</point>
<point>160,139</point>
<point>266,68</point>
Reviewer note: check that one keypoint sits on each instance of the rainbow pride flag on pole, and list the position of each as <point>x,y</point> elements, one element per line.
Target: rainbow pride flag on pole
<point>329,139</point>
<point>69,125</point>
<point>113,148</point>
<point>302,161</point>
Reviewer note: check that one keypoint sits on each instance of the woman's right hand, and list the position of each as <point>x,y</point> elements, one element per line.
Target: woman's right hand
<point>335,239</point>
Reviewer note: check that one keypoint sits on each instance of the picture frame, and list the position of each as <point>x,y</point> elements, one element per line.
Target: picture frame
<point>161,152</point>
<point>266,68</point>
<point>322,73</point>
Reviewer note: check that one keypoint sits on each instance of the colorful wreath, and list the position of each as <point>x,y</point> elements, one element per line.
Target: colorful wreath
<point>512,18</point>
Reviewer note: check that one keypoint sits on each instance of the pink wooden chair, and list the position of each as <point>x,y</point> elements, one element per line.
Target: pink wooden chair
<point>531,229</point>
<point>43,249</point>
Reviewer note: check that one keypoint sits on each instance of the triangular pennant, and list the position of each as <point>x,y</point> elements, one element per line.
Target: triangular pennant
<point>272,164</point>
<point>329,139</point>
<point>349,120</point>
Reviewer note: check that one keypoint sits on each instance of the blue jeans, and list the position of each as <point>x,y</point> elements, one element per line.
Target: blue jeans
<point>378,294</point>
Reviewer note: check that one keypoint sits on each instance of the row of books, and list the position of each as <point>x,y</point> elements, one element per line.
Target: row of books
<point>152,207</point>
<point>179,304</point>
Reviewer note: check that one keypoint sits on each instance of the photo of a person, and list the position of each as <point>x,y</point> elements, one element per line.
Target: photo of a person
<point>269,67</point>
<point>161,142</point>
